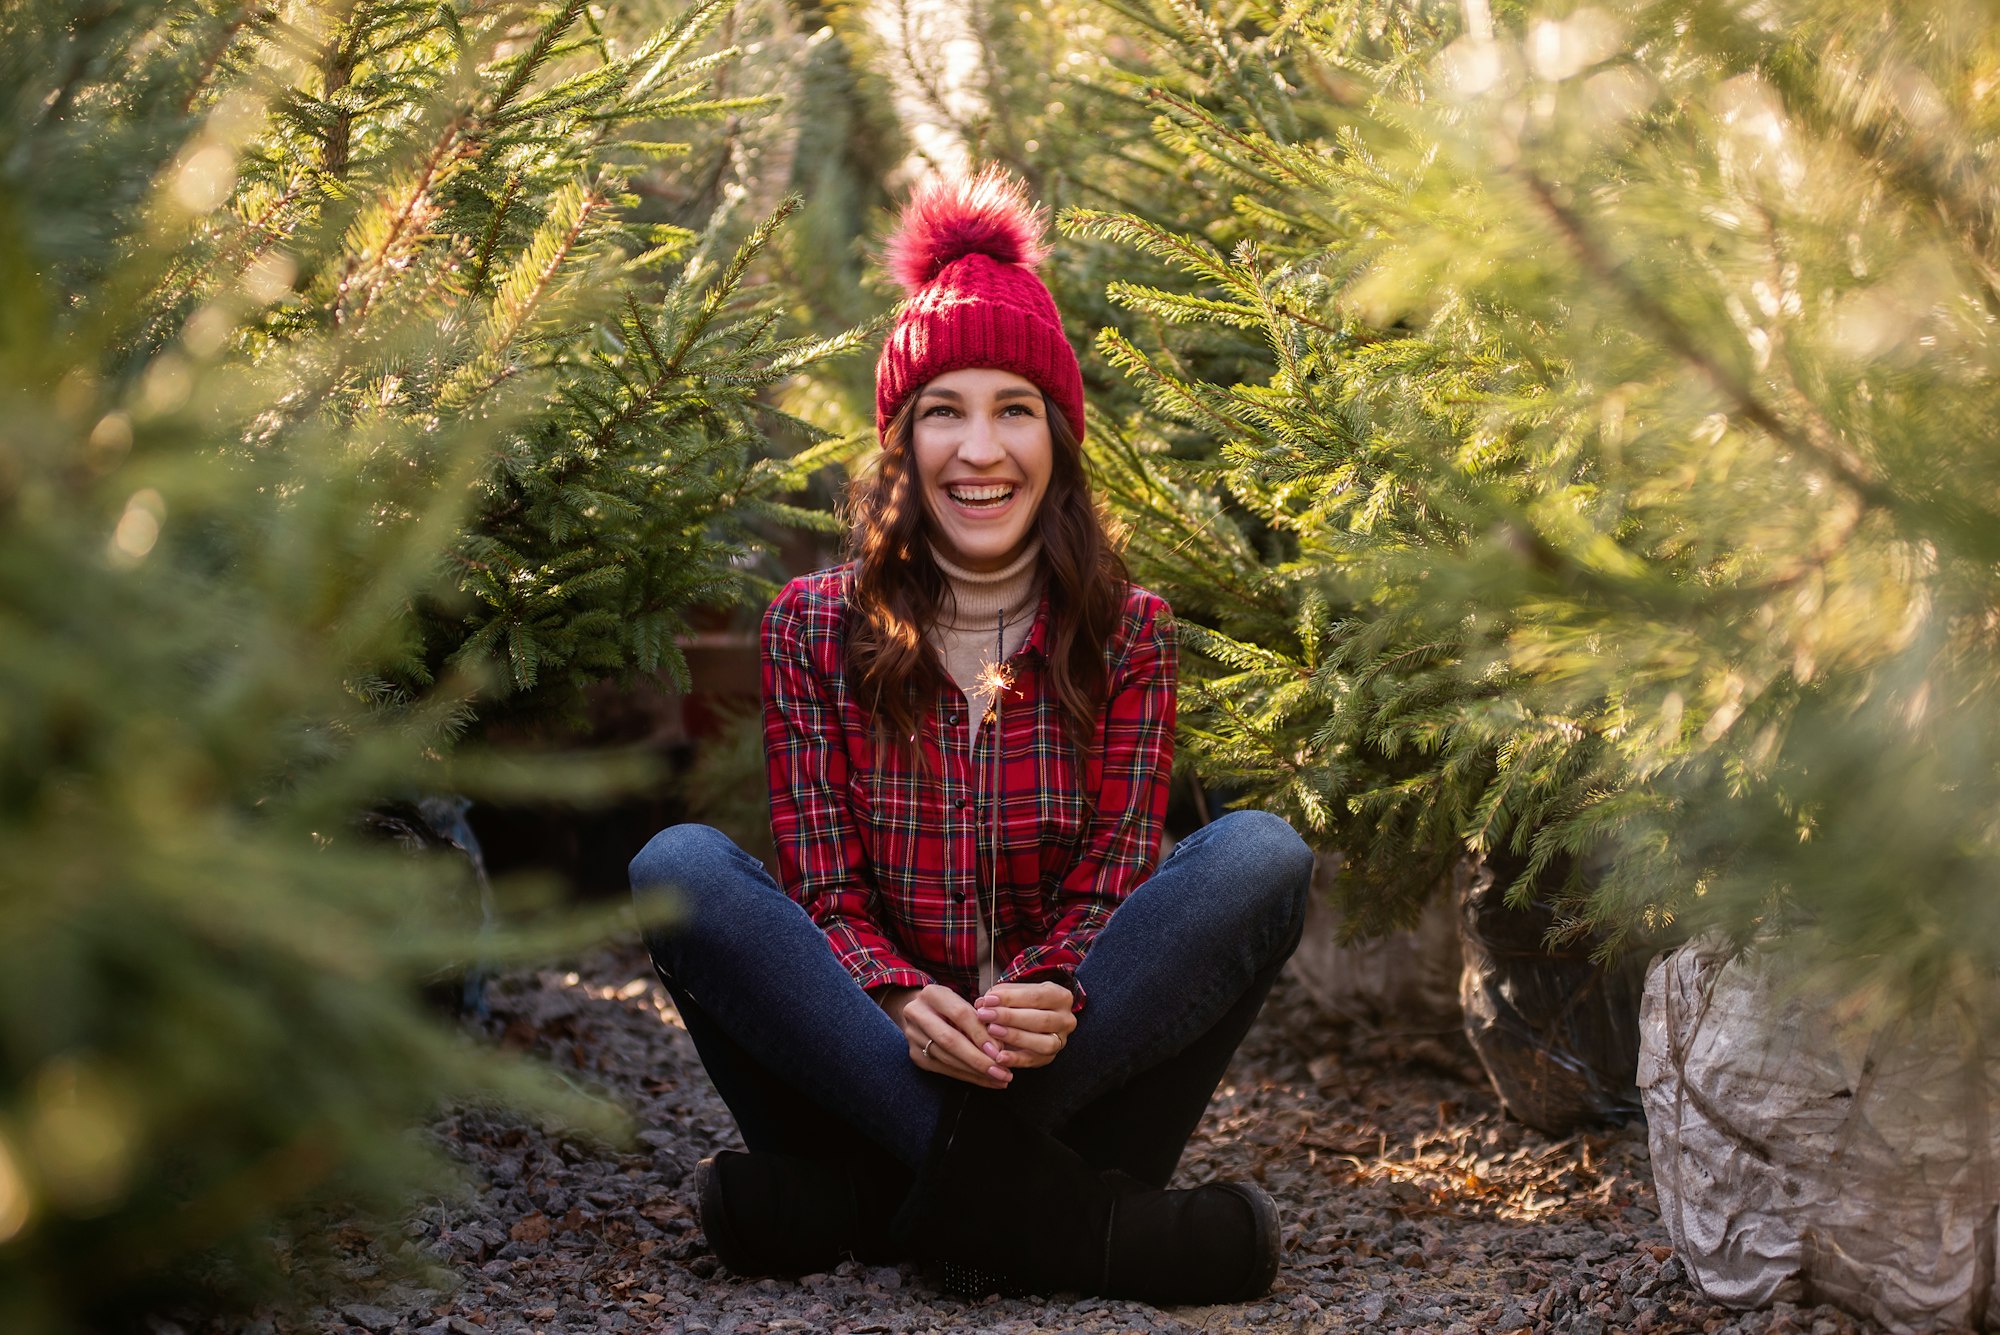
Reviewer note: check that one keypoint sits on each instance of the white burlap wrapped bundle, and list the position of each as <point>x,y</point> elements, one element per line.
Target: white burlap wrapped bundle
<point>1803,1154</point>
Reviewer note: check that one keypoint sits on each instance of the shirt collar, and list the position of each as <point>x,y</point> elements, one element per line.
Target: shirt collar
<point>1038,634</point>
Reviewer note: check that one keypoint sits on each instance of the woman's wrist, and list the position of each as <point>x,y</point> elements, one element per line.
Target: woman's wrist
<point>892,1000</point>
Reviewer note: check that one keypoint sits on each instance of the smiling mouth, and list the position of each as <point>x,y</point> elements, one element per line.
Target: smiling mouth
<point>981,495</point>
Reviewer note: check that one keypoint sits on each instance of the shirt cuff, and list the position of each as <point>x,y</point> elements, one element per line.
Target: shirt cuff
<point>876,979</point>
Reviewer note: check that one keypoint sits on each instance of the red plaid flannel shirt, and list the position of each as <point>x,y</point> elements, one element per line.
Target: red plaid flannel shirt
<point>887,855</point>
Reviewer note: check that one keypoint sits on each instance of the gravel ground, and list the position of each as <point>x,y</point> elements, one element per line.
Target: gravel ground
<point>1410,1203</point>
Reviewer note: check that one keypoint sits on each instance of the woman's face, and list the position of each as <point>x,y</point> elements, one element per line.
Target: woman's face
<point>984,455</point>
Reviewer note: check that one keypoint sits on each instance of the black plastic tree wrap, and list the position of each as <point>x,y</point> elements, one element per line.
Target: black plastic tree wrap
<point>437,824</point>
<point>1557,1032</point>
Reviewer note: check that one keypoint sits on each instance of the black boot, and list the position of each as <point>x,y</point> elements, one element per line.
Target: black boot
<point>1002,1207</point>
<point>773,1214</point>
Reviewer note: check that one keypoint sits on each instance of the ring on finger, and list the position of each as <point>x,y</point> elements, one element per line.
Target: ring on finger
<point>927,1049</point>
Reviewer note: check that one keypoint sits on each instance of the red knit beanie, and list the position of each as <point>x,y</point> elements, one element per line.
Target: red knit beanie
<point>966,253</point>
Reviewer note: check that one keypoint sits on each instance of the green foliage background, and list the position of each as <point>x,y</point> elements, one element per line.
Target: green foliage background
<point>352,393</point>
<point>1557,430</point>
<point>1562,431</point>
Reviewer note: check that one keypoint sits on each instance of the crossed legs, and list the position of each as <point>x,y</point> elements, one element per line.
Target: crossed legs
<point>810,1066</point>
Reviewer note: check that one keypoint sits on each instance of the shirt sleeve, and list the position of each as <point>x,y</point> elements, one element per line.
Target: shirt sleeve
<point>1134,761</point>
<point>821,862</point>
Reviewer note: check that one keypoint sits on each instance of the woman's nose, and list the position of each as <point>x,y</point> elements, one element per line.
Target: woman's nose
<point>980,445</point>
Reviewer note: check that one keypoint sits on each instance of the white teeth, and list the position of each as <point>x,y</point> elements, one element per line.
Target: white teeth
<point>982,495</point>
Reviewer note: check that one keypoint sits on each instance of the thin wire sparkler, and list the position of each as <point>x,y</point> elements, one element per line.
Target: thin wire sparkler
<point>996,679</point>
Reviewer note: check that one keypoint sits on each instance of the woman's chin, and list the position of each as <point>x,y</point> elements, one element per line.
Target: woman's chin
<point>982,552</point>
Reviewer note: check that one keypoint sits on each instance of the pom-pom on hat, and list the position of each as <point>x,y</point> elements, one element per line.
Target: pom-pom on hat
<point>966,252</point>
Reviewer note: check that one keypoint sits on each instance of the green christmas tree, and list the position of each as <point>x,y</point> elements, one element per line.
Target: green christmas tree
<point>353,393</point>
<point>1611,493</point>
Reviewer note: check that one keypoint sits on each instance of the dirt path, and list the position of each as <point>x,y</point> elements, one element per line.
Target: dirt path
<point>1410,1203</point>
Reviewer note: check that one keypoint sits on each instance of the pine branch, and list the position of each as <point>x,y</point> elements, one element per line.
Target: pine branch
<point>519,297</point>
<point>526,65</point>
<point>371,265</point>
<point>1839,462</point>
<point>483,264</point>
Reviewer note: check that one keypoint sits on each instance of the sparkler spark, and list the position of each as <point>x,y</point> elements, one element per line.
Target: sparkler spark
<point>996,678</point>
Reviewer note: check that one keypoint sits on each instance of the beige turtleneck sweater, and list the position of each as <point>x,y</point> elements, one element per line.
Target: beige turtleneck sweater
<point>985,613</point>
<point>980,605</point>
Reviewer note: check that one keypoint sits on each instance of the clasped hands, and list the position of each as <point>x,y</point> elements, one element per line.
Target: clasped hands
<point>1013,1027</point>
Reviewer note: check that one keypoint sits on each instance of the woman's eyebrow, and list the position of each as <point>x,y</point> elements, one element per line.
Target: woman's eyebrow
<point>1019,392</point>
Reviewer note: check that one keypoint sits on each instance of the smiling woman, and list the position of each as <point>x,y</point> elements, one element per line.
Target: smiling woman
<point>983,461</point>
<point>970,730</point>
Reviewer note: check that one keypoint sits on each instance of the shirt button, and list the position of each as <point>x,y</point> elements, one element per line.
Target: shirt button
<point>953,720</point>
<point>961,804</point>
<point>958,895</point>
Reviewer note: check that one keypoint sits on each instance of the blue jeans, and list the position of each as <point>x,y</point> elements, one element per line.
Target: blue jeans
<point>809,1064</point>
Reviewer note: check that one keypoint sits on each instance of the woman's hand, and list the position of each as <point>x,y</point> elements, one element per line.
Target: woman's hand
<point>1032,1021</point>
<point>946,1035</point>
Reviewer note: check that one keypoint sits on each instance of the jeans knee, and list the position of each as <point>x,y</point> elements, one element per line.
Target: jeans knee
<point>688,883</point>
<point>674,859</point>
<point>1275,864</point>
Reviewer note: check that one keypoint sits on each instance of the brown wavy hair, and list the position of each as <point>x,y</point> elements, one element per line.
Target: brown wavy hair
<point>898,591</point>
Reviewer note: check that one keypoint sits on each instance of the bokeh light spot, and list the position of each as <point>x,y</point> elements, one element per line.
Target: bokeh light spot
<point>14,1204</point>
<point>205,179</point>
<point>139,527</point>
